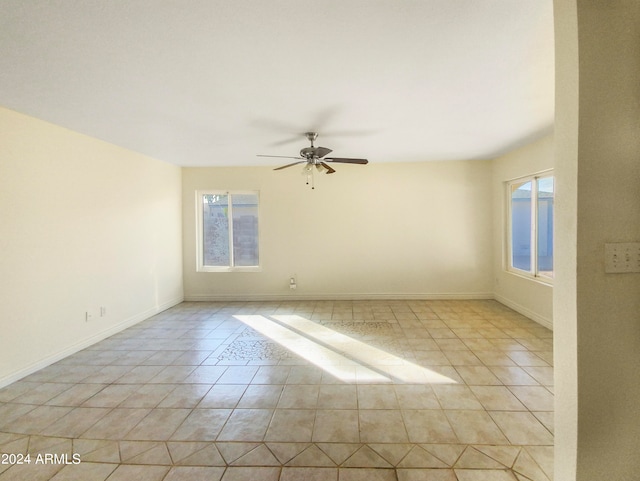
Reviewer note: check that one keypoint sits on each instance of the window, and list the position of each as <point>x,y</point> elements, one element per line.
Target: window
<point>227,231</point>
<point>530,246</point>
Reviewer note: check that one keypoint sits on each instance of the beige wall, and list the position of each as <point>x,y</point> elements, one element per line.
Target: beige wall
<point>84,224</point>
<point>597,315</point>
<point>396,230</point>
<point>527,296</point>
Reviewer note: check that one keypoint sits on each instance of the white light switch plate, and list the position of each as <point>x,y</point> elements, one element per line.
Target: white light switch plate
<point>622,257</point>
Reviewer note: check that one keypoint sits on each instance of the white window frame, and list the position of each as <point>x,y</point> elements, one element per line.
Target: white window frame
<point>200,266</point>
<point>533,273</point>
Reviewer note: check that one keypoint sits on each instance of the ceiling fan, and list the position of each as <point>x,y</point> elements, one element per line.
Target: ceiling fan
<point>315,157</point>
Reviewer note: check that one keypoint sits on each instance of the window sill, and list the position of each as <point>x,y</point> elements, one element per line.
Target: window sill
<point>537,279</point>
<point>229,269</point>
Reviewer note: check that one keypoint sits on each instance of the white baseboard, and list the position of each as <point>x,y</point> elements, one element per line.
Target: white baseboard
<point>534,316</point>
<point>338,296</point>
<point>83,344</point>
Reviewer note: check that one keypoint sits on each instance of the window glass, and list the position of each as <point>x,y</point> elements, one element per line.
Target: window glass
<point>228,231</point>
<point>521,210</point>
<point>245,230</point>
<point>215,230</point>
<point>530,241</point>
<point>544,226</point>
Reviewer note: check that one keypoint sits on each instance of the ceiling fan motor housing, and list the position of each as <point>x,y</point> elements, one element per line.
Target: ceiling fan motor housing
<point>308,153</point>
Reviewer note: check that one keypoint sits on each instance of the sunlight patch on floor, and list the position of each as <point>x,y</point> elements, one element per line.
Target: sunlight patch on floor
<point>343,357</point>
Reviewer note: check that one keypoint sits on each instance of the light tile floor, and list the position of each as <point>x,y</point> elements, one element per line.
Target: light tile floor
<point>314,391</point>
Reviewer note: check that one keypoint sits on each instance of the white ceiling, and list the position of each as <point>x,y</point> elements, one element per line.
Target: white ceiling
<point>215,82</point>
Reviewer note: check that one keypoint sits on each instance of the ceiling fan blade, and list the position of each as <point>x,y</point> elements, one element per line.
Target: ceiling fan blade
<point>328,167</point>
<point>290,165</point>
<point>322,151</point>
<point>280,156</point>
<point>345,160</point>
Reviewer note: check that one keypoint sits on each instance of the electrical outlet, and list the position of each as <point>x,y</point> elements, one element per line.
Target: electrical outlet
<point>94,314</point>
<point>622,257</point>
